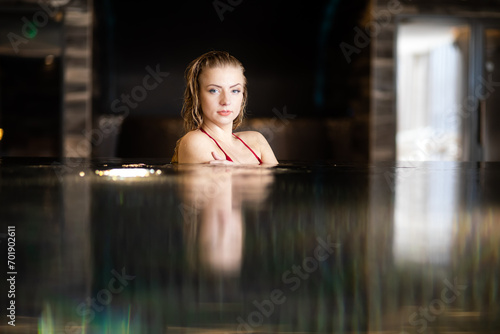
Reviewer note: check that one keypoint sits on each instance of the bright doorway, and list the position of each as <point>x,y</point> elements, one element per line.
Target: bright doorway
<point>431,81</point>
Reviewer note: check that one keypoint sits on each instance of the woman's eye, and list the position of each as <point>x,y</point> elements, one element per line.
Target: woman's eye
<point>213,90</point>
<point>236,91</point>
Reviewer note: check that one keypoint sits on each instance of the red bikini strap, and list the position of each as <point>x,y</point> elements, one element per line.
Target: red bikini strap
<point>227,156</point>
<point>260,161</point>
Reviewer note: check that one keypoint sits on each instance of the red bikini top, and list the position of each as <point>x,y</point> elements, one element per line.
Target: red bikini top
<point>227,156</point>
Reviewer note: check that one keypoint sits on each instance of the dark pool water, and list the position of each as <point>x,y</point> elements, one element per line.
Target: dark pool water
<point>115,246</point>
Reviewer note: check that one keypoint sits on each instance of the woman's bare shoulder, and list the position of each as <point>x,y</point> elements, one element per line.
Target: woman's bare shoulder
<point>258,141</point>
<point>194,147</point>
<point>193,136</point>
<point>194,139</point>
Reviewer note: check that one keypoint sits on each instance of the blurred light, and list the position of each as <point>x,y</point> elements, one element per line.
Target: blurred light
<point>120,173</point>
<point>1,133</point>
<point>82,174</point>
<point>49,60</point>
<point>58,17</point>
<point>490,66</point>
<point>59,3</point>
<point>133,165</point>
<point>419,38</point>
<point>31,33</point>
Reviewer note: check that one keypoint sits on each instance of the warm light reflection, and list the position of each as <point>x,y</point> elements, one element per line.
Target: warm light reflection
<point>213,198</point>
<point>49,60</point>
<point>1,133</point>
<point>121,173</point>
<point>58,17</point>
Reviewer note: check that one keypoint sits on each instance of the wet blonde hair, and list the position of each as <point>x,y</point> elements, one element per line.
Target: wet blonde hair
<point>191,109</point>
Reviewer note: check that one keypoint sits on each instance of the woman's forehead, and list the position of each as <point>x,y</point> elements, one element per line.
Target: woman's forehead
<point>222,73</point>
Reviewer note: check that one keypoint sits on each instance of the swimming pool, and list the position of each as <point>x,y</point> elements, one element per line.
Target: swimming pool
<point>116,246</point>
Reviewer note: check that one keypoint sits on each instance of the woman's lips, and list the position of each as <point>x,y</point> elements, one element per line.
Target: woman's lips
<point>224,112</point>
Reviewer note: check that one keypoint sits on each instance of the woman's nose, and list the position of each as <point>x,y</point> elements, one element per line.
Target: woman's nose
<point>224,99</point>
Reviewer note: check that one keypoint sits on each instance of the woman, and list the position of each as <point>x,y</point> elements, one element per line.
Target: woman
<point>214,105</point>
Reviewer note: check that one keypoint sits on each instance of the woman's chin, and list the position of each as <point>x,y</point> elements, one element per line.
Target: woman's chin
<point>223,121</point>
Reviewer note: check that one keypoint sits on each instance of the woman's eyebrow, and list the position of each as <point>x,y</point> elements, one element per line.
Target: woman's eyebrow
<point>221,86</point>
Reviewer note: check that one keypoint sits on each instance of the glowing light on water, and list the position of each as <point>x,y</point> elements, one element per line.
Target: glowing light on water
<point>121,173</point>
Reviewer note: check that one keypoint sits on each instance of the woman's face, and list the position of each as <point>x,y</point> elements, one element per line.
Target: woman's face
<point>221,94</point>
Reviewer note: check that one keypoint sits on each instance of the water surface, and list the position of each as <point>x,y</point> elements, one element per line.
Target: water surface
<point>115,246</point>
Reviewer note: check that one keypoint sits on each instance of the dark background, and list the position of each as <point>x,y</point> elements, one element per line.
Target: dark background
<point>290,50</point>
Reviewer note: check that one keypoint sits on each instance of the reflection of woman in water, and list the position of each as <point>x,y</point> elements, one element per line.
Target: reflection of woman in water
<point>212,203</point>
<point>214,106</point>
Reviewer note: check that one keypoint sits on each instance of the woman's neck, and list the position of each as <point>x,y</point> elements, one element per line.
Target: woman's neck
<point>221,133</point>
